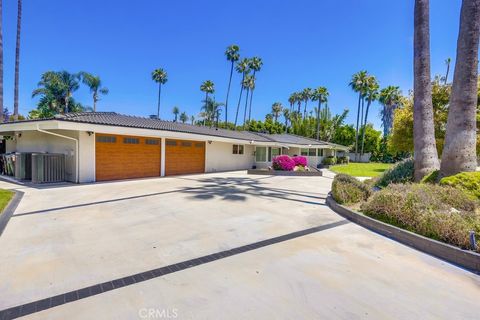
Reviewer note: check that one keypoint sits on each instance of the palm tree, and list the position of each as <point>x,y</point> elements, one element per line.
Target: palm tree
<point>321,95</point>
<point>95,85</point>
<point>192,119</point>
<point>459,153</point>
<point>447,62</point>
<point>210,111</point>
<point>208,87</point>
<point>17,62</point>
<point>371,88</point>
<point>299,99</point>
<point>306,95</point>
<point>160,76</point>
<point>390,99</point>
<point>248,85</point>
<point>232,56</point>
<point>183,117</point>
<point>252,88</point>
<point>255,64</point>
<point>425,149</point>
<point>286,115</point>
<point>175,112</point>
<point>243,67</point>
<point>276,110</point>
<point>69,82</point>
<point>358,85</point>
<point>291,100</point>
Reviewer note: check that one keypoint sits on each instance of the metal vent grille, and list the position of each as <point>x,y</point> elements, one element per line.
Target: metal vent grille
<point>48,167</point>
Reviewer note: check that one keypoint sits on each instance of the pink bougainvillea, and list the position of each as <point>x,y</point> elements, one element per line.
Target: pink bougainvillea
<point>283,162</point>
<point>300,161</point>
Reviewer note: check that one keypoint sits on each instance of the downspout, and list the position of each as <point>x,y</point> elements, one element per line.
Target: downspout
<point>77,156</point>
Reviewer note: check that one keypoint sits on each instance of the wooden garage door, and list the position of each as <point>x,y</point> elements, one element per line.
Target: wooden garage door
<point>183,156</point>
<point>126,157</point>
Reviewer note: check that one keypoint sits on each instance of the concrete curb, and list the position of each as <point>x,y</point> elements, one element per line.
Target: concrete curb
<point>285,173</point>
<point>463,258</point>
<point>10,209</point>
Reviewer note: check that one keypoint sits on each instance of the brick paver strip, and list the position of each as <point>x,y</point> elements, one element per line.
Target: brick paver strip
<point>47,303</point>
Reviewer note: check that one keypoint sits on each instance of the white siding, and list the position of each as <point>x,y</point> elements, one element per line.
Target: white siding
<point>219,157</point>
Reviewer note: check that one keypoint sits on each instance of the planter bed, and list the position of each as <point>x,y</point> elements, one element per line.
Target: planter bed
<point>285,173</point>
<point>464,258</point>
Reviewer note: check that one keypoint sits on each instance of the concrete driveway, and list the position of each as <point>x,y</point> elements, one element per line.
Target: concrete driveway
<point>283,255</point>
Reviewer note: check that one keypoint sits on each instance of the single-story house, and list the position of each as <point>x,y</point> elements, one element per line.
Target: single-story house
<point>101,146</point>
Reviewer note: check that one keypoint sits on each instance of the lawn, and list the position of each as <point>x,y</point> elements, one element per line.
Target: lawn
<point>5,196</point>
<point>372,169</point>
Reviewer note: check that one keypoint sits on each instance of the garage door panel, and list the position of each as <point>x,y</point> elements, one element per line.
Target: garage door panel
<point>184,157</point>
<point>125,157</point>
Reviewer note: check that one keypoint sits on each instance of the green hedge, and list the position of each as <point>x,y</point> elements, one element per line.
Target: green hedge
<point>329,160</point>
<point>401,172</point>
<point>469,182</point>
<point>349,190</point>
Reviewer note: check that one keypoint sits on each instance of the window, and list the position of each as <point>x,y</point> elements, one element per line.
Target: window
<point>238,149</point>
<point>304,152</point>
<point>171,143</point>
<point>106,139</point>
<point>131,140</point>
<point>199,145</point>
<point>261,154</point>
<point>312,152</point>
<point>320,152</point>
<point>153,142</point>
<point>272,153</point>
<point>186,144</point>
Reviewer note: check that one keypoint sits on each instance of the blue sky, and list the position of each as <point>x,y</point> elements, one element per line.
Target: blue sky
<point>302,43</point>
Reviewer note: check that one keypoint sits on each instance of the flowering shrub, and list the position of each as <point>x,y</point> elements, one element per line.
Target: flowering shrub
<point>300,161</point>
<point>283,162</point>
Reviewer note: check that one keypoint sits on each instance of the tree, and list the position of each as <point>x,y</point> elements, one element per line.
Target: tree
<point>175,112</point>
<point>306,95</point>
<point>358,85</point>
<point>425,150</point>
<point>447,62</point>
<point>208,87</point>
<point>345,135</point>
<point>232,55</point>
<point>183,117</point>
<point>286,116</point>
<point>1,60</point>
<point>210,111</point>
<point>371,93</point>
<point>372,138</point>
<point>459,153</point>
<point>17,61</point>
<point>321,95</point>
<point>291,100</point>
<point>276,110</point>
<point>248,85</point>
<point>160,76</point>
<point>329,124</point>
<point>95,85</point>
<point>255,64</point>
<point>243,68</point>
<point>192,119</point>
<point>389,97</point>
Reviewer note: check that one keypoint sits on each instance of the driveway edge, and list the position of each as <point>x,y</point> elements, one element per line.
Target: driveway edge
<point>466,259</point>
<point>10,209</point>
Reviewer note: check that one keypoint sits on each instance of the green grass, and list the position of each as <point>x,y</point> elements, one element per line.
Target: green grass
<point>371,169</point>
<point>5,196</point>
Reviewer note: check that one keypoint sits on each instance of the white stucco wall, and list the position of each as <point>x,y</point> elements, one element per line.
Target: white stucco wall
<point>219,157</point>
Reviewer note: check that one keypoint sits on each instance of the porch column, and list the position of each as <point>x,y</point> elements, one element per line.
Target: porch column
<point>162,157</point>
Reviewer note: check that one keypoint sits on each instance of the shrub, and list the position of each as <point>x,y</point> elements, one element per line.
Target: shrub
<point>331,160</point>
<point>432,177</point>
<point>349,190</point>
<point>300,161</point>
<point>469,182</point>
<point>439,212</point>
<point>344,159</point>
<point>283,162</point>
<point>400,173</point>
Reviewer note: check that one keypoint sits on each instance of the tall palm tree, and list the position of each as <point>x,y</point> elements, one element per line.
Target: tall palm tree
<point>17,62</point>
<point>256,64</point>
<point>232,55</point>
<point>459,153</point>
<point>1,62</point>
<point>160,76</point>
<point>276,110</point>
<point>183,117</point>
<point>447,62</point>
<point>192,119</point>
<point>321,95</point>
<point>299,99</point>
<point>243,67</point>
<point>208,87</point>
<point>69,81</point>
<point>175,112</point>
<point>390,99</point>
<point>358,85</point>
<point>291,100</point>
<point>94,83</point>
<point>425,149</point>
<point>371,88</point>
<point>306,95</point>
<point>248,85</point>
<point>286,115</point>
<point>210,111</point>
<point>252,83</point>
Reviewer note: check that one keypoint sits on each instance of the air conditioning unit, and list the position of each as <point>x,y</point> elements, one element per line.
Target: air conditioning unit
<point>48,167</point>
<point>23,166</point>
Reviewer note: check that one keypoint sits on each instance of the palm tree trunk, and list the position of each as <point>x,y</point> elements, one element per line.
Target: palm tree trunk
<point>94,103</point>
<point>159,94</point>
<point>250,106</point>
<point>228,93</point>
<point>358,119</point>
<point>365,126</point>
<point>239,101</point>
<point>425,149</point>
<point>1,62</point>
<point>17,62</point>
<point>305,110</point>
<point>446,74</point>
<point>318,118</point>
<point>299,107</point>
<point>459,153</point>
<point>245,110</point>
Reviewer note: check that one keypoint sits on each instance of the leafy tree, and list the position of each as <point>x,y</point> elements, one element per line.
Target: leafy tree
<point>243,67</point>
<point>372,138</point>
<point>276,110</point>
<point>232,55</point>
<point>183,117</point>
<point>95,85</point>
<point>175,112</point>
<point>345,135</point>
<point>330,124</point>
<point>160,76</point>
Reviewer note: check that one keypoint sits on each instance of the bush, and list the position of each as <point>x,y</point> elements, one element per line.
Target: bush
<point>400,173</point>
<point>283,162</point>
<point>469,182</point>
<point>432,177</point>
<point>349,190</point>
<point>343,160</point>
<point>331,160</point>
<point>300,161</point>
<point>439,212</point>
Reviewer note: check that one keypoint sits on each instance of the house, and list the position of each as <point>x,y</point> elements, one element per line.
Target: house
<point>101,146</point>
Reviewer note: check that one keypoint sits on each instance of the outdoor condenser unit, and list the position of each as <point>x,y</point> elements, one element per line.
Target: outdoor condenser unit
<point>23,166</point>
<point>48,167</point>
